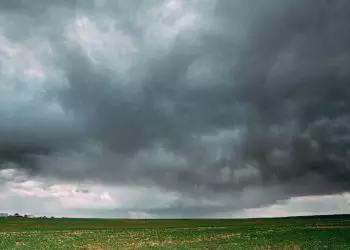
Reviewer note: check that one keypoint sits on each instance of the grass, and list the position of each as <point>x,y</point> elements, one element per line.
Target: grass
<point>330,232</point>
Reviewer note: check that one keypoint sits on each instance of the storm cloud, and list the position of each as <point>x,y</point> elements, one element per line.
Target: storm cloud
<point>206,98</point>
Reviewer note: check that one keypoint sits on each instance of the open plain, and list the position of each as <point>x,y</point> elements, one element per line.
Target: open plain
<point>317,232</point>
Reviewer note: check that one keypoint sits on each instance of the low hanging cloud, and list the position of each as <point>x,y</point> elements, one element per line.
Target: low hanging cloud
<point>242,103</point>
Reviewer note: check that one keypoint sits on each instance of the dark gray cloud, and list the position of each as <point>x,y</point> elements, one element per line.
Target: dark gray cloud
<point>36,7</point>
<point>202,97</point>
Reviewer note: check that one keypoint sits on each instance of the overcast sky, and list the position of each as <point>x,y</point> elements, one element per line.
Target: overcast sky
<point>174,108</point>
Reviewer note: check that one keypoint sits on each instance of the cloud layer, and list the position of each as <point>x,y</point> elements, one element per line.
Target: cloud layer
<point>239,103</point>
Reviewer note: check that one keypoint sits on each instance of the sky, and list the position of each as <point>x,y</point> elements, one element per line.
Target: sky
<point>174,108</point>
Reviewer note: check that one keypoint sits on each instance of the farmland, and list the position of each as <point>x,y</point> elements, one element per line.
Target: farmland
<point>326,232</point>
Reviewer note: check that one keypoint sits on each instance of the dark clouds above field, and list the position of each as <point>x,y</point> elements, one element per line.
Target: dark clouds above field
<point>230,105</point>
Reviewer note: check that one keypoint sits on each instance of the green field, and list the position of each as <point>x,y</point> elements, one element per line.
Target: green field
<point>330,232</point>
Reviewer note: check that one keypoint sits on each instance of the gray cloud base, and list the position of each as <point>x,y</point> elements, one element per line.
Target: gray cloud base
<point>255,95</point>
